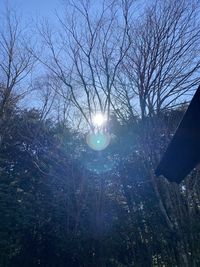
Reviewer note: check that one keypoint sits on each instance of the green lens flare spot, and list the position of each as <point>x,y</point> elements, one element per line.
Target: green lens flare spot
<point>98,141</point>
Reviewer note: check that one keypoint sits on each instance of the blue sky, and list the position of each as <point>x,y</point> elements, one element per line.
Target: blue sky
<point>45,8</point>
<point>32,8</point>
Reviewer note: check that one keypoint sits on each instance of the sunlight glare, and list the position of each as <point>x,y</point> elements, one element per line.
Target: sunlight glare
<point>99,119</point>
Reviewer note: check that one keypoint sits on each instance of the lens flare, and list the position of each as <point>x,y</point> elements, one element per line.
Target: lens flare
<point>98,141</point>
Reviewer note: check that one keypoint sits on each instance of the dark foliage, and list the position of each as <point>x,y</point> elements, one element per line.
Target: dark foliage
<point>65,205</point>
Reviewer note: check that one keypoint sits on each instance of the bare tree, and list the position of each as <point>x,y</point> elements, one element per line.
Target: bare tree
<point>163,63</point>
<point>49,100</point>
<point>16,64</point>
<point>161,68</point>
<point>15,60</point>
<point>89,51</point>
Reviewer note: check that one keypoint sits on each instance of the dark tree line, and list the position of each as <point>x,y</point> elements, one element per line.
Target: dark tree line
<point>64,205</point>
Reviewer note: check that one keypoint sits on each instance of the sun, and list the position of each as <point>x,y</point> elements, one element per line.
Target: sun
<point>98,139</point>
<point>99,119</point>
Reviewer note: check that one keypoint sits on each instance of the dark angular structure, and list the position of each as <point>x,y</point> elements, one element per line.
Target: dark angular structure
<point>183,152</point>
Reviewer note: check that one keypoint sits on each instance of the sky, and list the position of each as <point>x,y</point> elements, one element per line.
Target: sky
<point>33,7</point>
<point>42,8</point>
